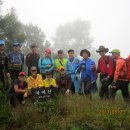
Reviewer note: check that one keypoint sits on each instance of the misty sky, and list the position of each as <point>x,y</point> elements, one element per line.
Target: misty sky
<point>110,19</point>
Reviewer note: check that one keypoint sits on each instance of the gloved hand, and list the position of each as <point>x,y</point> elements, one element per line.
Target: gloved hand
<point>113,85</point>
<point>48,66</point>
<point>8,75</point>
<point>83,66</point>
<point>25,94</point>
<point>105,79</point>
<point>67,91</point>
<point>76,78</point>
<point>92,82</point>
<point>93,67</point>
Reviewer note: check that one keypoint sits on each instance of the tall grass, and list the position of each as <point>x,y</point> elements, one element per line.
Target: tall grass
<point>73,112</point>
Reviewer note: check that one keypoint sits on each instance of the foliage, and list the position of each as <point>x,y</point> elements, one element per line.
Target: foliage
<point>73,34</point>
<point>11,29</point>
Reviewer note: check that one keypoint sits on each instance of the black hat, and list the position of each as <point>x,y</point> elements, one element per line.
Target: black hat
<point>70,50</point>
<point>16,43</point>
<point>60,51</point>
<point>85,50</point>
<point>33,46</point>
<point>102,48</point>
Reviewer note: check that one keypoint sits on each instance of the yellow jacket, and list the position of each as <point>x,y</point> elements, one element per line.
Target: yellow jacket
<point>48,83</point>
<point>34,83</point>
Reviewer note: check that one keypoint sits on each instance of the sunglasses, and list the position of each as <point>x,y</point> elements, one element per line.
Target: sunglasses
<point>101,51</point>
<point>34,70</point>
<point>48,74</point>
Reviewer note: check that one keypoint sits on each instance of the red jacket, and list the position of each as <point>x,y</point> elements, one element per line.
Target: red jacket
<point>105,66</point>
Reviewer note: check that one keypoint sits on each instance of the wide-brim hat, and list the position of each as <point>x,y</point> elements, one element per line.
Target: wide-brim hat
<point>102,48</point>
<point>85,50</point>
<point>33,46</point>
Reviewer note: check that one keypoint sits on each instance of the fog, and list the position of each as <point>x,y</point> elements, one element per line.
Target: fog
<point>110,19</point>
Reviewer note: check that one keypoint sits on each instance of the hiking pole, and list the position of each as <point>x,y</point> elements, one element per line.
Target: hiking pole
<point>7,80</point>
<point>82,84</point>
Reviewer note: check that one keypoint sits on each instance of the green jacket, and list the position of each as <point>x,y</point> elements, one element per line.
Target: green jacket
<point>59,64</point>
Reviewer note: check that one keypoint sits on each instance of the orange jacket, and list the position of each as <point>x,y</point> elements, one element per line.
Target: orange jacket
<point>120,70</point>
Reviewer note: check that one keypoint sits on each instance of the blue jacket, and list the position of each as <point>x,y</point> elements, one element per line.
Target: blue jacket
<point>87,71</point>
<point>71,66</point>
<point>16,58</point>
<point>43,62</point>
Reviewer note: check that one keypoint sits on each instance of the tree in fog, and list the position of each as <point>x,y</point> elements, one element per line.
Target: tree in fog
<point>34,35</point>
<point>11,29</point>
<point>74,35</point>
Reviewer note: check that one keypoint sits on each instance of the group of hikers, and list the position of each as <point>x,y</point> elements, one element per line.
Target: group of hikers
<point>68,75</point>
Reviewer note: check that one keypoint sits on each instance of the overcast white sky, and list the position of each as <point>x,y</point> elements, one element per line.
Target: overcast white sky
<point>110,19</point>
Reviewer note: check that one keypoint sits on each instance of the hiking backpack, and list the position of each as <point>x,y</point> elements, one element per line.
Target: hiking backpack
<point>127,60</point>
<point>128,68</point>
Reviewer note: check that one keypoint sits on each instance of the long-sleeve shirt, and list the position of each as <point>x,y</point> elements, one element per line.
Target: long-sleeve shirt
<point>16,58</point>
<point>71,66</point>
<point>120,70</point>
<point>35,82</point>
<point>105,66</point>
<point>44,62</point>
<point>88,71</point>
<point>32,59</point>
<point>59,63</point>
<point>64,81</point>
<point>48,83</point>
<point>4,62</point>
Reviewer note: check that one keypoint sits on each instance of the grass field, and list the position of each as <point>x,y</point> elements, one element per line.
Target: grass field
<point>67,113</point>
<point>75,112</point>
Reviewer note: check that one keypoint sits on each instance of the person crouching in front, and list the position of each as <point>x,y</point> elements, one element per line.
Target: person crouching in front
<point>49,81</point>
<point>18,90</point>
<point>63,81</point>
<point>34,80</point>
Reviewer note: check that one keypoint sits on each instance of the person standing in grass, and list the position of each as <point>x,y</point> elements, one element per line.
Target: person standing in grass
<point>46,63</point>
<point>87,68</point>
<point>4,71</point>
<point>16,60</point>
<point>120,81</point>
<point>60,61</point>
<point>106,69</point>
<point>32,59</point>
<point>72,61</point>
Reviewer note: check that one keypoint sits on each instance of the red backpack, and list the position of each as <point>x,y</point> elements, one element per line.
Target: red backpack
<point>127,60</point>
<point>128,68</point>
